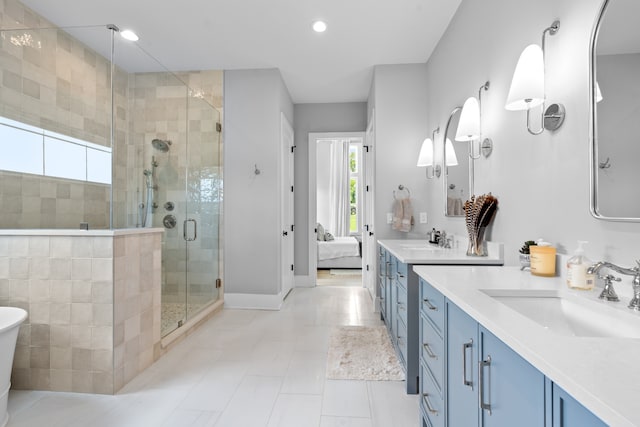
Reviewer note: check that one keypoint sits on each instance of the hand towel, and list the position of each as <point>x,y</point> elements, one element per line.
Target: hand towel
<point>396,222</point>
<point>407,215</point>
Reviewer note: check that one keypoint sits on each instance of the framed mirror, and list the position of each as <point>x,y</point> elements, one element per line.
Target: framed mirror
<point>615,112</point>
<point>457,168</point>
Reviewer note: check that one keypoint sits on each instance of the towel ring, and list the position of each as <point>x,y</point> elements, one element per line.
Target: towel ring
<point>402,188</point>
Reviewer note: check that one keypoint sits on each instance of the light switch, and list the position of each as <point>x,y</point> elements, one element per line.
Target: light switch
<point>423,217</point>
<point>389,218</point>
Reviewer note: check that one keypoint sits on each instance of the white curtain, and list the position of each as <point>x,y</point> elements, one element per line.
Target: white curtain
<point>339,188</point>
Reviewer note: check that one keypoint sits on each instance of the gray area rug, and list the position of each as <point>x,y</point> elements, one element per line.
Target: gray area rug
<point>362,353</point>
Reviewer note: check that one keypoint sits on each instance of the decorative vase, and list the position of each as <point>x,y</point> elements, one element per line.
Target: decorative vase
<point>476,243</point>
<point>525,261</point>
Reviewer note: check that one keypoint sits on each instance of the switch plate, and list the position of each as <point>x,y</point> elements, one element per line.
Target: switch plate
<point>389,218</point>
<point>423,217</point>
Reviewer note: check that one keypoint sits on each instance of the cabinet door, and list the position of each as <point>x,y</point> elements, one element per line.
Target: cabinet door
<point>511,390</point>
<point>462,368</point>
<point>567,412</point>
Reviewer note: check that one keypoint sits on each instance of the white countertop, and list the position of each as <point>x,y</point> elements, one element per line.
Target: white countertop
<point>601,373</point>
<point>422,252</point>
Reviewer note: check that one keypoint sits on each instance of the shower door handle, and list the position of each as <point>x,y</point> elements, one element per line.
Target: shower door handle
<point>185,227</point>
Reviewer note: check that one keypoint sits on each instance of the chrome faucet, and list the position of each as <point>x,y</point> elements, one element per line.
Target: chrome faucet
<point>634,304</point>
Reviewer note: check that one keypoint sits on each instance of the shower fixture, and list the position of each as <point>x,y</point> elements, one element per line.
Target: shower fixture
<point>161,145</point>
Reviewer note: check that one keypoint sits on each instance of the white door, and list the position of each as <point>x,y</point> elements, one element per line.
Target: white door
<point>368,235</point>
<point>286,208</point>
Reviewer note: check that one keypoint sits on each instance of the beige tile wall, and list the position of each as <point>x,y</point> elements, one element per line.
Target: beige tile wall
<point>74,339</point>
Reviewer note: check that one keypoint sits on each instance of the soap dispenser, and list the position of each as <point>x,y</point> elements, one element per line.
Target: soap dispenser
<point>577,266</point>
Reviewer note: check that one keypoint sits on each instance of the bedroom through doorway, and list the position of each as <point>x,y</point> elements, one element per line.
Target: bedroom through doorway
<point>336,207</point>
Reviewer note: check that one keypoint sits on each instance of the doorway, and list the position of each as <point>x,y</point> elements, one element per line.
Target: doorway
<point>337,175</point>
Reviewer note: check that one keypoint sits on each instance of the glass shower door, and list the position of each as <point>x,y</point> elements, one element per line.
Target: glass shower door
<point>204,196</point>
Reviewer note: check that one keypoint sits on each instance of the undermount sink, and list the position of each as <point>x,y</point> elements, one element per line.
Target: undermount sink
<point>570,315</point>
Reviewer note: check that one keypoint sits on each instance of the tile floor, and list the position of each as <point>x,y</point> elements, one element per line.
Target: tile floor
<point>242,368</point>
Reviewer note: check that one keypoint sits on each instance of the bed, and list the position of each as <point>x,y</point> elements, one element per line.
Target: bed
<point>342,252</point>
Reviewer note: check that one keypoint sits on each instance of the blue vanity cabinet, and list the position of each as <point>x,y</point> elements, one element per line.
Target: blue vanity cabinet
<point>462,367</point>
<point>432,356</point>
<point>405,320</point>
<point>568,412</point>
<point>511,391</point>
<point>382,281</point>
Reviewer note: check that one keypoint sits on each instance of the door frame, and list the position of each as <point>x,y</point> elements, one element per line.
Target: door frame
<point>287,203</point>
<point>314,137</point>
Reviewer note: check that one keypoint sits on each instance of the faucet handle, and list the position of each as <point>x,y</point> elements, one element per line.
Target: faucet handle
<point>608,293</point>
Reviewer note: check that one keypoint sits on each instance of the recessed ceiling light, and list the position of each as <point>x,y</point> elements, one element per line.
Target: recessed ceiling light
<point>129,35</point>
<point>319,26</point>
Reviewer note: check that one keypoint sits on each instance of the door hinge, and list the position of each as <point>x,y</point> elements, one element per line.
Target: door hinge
<point>218,283</point>
<point>293,147</point>
<point>292,227</point>
<point>366,227</point>
<point>315,230</point>
<point>366,147</point>
<point>292,188</point>
<point>218,127</point>
<point>291,267</point>
<point>367,267</point>
<point>367,188</point>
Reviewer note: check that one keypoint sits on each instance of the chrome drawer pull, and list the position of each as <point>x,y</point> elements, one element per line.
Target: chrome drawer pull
<point>400,275</point>
<point>429,305</point>
<point>427,404</point>
<point>430,353</point>
<point>465,346</point>
<point>481,365</point>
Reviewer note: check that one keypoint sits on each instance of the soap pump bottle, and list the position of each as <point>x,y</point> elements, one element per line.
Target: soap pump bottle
<point>577,266</point>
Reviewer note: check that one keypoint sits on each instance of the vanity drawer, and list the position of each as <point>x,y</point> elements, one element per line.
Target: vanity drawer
<point>401,303</point>
<point>431,401</point>
<point>432,305</point>
<point>401,273</point>
<point>432,352</point>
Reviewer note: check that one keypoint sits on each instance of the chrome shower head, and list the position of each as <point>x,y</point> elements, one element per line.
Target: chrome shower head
<point>161,144</point>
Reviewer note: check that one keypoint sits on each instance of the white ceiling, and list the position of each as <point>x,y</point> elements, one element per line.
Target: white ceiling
<point>336,66</point>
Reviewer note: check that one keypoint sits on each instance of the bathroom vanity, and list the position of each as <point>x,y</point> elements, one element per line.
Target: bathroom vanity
<point>508,348</point>
<point>398,291</point>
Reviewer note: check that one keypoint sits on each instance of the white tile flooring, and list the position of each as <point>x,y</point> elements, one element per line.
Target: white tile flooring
<point>242,368</point>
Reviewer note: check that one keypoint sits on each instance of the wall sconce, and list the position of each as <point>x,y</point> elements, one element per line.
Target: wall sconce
<point>470,125</point>
<point>527,86</point>
<point>426,157</point>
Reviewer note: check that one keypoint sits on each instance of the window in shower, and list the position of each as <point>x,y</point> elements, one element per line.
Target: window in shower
<point>28,149</point>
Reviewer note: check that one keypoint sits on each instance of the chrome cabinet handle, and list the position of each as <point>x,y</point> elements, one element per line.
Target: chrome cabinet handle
<point>430,353</point>
<point>465,346</point>
<point>481,365</point>
<point>400,275</point>
<point>429,305</point>
<point>427,404</point>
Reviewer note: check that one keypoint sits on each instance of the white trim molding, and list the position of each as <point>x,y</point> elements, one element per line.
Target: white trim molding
<point>305,281</point>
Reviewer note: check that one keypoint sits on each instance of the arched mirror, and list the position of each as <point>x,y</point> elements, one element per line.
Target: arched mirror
<point>615,106</point>
<point>457,168</point>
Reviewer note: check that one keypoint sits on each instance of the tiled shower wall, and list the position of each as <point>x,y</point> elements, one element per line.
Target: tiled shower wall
<point>93,304</point>
<point>52,81</point>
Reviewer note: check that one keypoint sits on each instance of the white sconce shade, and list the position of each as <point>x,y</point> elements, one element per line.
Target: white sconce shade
<point>469,124</point>
<point>426,153</point>
<point>527,86</point>
<point>450,154</point>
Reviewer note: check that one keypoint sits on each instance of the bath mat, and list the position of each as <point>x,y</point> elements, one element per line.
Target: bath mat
<point>362,353</point>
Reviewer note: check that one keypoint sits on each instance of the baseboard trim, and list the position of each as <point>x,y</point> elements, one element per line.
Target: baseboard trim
<point>253,301</point>
<point>304,281</point>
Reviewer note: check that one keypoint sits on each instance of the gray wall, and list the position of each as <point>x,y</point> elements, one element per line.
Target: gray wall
<point>253,100</point>
<point>399,98</point>
<point>341,117</point>
<point>542,182</point>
